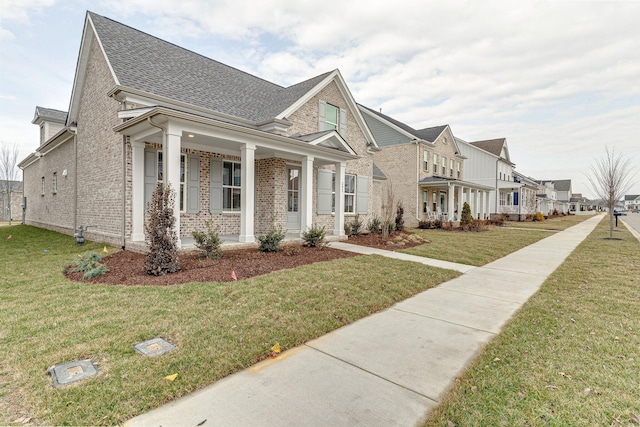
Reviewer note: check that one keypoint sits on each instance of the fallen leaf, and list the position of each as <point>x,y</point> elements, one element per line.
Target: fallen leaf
<point>276,348</point>
<point>201,422</point>
<point>474,389</point>
<point>562,374</point>
<point>105,250</point>
<point>551,387</point>
<point>586,391</point>
<point>10,237</point>
<point>497,359</point>
<point>451,424</point>
<point>171,377</point>
<point>521,395</point>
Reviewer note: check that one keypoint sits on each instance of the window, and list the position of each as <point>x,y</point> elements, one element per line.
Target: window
<point>435,201</point>
<point>331,117</point>
<point>41,133</point>
<point>42,185</point>
<point>500,176</point>
<point>425,201</point>
<point>183,176</point>
<point>503,199</point>
<point>231,185</point>
<point>426,160</point>
<point>451,162</point>
<point>458,170</point>
<point>444,166</point>
<point>435,163</point>
<point>349,193</point>
<point>55,182</point>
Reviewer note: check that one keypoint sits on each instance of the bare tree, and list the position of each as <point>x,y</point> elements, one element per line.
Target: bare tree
<point>8,170</point>
<point>388,210</point>
<point>611,178</point>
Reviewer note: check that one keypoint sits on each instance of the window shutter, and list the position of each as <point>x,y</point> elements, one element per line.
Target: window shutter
<point>150,174</point>
<point>362,195</point>
<point>193,185</point>
<point>342,126</point>
<point>324,191</point>
<point>215,188</point>
<point>322,115</point>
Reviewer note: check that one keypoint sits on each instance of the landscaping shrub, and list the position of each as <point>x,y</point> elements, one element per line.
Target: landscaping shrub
<point>399,217</point>
<point>425,224</point>
<point>466,219</point>
<point>375,225</point>
<point>497,220</point>
<point>90,264</point>
<point>314,237</point>
<point>555,212</point>
<point>355,226</point>
<point>162,256</point>
<point>538,217</point>
<point>437,223</point>
<point>270,242</point>
<point>479,225</point>
<point>209,242</point>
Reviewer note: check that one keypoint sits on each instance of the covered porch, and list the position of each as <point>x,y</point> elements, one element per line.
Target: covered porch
<point>245,180</point>
<point>444,198</point>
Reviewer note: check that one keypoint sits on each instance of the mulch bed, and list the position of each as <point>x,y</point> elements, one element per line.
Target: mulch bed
<point>127,268</point>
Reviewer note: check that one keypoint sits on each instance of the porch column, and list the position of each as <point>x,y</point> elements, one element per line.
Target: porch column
<point>247,194</point>
<point>460,200</point>
<point>172,171</point>
<point>476,203</point>
<point>137,191</point>
<point>488,201</point>
<point>306,190</point>
<point>482,204</point>
<point>338,228</point>
<point>450,208</point>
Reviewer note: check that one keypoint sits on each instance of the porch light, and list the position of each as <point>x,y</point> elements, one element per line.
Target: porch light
<point>190,135</point>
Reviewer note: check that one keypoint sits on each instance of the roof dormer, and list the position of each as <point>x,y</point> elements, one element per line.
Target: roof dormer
<point>50,121</point>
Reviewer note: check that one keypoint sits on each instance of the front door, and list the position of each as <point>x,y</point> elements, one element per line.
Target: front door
<point>293,198</point>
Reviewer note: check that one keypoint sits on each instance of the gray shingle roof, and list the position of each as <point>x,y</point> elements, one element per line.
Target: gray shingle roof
<point>149,64</point>
<point>493,146</point>
<point>427,134</point>
<point>51,114</point>
<point>631,197</point>
<point>377,173</point>
<point>562,184</point>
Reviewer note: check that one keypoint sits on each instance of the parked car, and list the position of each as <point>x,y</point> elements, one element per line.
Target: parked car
<point>618,212</point>
<point>635,210</point>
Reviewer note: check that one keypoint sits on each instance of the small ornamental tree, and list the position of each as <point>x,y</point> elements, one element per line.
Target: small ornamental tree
<point>162,257</point>
<point>400,217</point>
<point>466,219</point>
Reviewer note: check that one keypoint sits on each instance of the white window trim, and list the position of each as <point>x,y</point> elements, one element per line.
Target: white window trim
<point>425,160</point>
<point>232,187</point>
<point>335,125</point>
<point>354,194</point>
<point>54,182</point>
<point>42,189</point>
<point>182,185</point>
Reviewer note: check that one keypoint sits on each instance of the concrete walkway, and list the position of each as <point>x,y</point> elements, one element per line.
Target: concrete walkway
<point>390,368</point>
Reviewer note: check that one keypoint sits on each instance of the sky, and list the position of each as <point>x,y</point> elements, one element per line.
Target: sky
<point>560,80</point>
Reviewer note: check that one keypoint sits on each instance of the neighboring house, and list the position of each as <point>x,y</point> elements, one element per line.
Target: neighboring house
<point>631,201</point>
<point>563,188</point>
<point>239,150</point>
<point>425,170</point>
<point>490,165</point>
<point>547,197</point>
<point>577,203</point>
<point>13,212</point>
<point>525,198</point>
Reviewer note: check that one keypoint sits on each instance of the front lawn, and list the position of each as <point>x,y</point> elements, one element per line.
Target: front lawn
<point>480,248</point>
<point>219,328</point>
<point>571,356</point>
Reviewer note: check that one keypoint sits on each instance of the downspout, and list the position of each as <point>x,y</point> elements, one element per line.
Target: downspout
<point>418,182</point>
<point>75,181</point>
<point>497,191</point>
<point>124,191</point>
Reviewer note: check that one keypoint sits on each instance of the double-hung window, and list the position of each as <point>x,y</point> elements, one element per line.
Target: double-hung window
<point>444,166</point>
<point>55,182</point>
<point>425,156</point>
<point>332,113</point>
<point>231,185</point>
<point>183,174</point>
<point>451,162</point>
<point>425,201</point>
<point>435,163</point>
<point>349,193</point>
<point>458,170</point>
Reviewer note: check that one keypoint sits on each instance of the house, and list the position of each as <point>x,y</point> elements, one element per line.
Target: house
<point>631,201</point>
<point>547,197</point>
<point>577,203</point>
<point>239,150</point>
<point>11,201</point>
<point>563,188</point>
<point>525,197</point>
<point>425,170</point>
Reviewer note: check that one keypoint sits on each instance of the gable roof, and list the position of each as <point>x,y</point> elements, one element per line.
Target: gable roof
<point>631,197</point>
<point>49,114</point>
<point>493,146</point>
<point>563,184</point>
<point>428,134</point>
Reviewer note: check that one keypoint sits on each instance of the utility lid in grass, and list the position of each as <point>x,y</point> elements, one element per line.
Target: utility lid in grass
<point>66,373</point>
<point>154,347</point>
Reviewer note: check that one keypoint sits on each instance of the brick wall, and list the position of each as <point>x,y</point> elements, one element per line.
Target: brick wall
<point>100,154</point>
<point>51,210</point>
<point>271,194</point>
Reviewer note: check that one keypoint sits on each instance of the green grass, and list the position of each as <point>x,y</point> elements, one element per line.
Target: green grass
<point>219,328</point>
<point>480,248</point>
<point>556,224</point>
<point>584,322</point>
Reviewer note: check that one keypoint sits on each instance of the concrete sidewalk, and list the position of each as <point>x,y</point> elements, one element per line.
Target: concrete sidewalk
<point>390,368</point>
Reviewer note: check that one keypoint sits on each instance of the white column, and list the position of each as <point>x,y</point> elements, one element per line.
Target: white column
<point>306,194</point>
<point>450,202</point>
<point>137,191</point>
<point>171,162</point>
<point>476,203</point>
<point>488,200</point>
<point>460,201</point>
<point>481,206</point>
<point>247,194</point>
<point>338,228</point>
